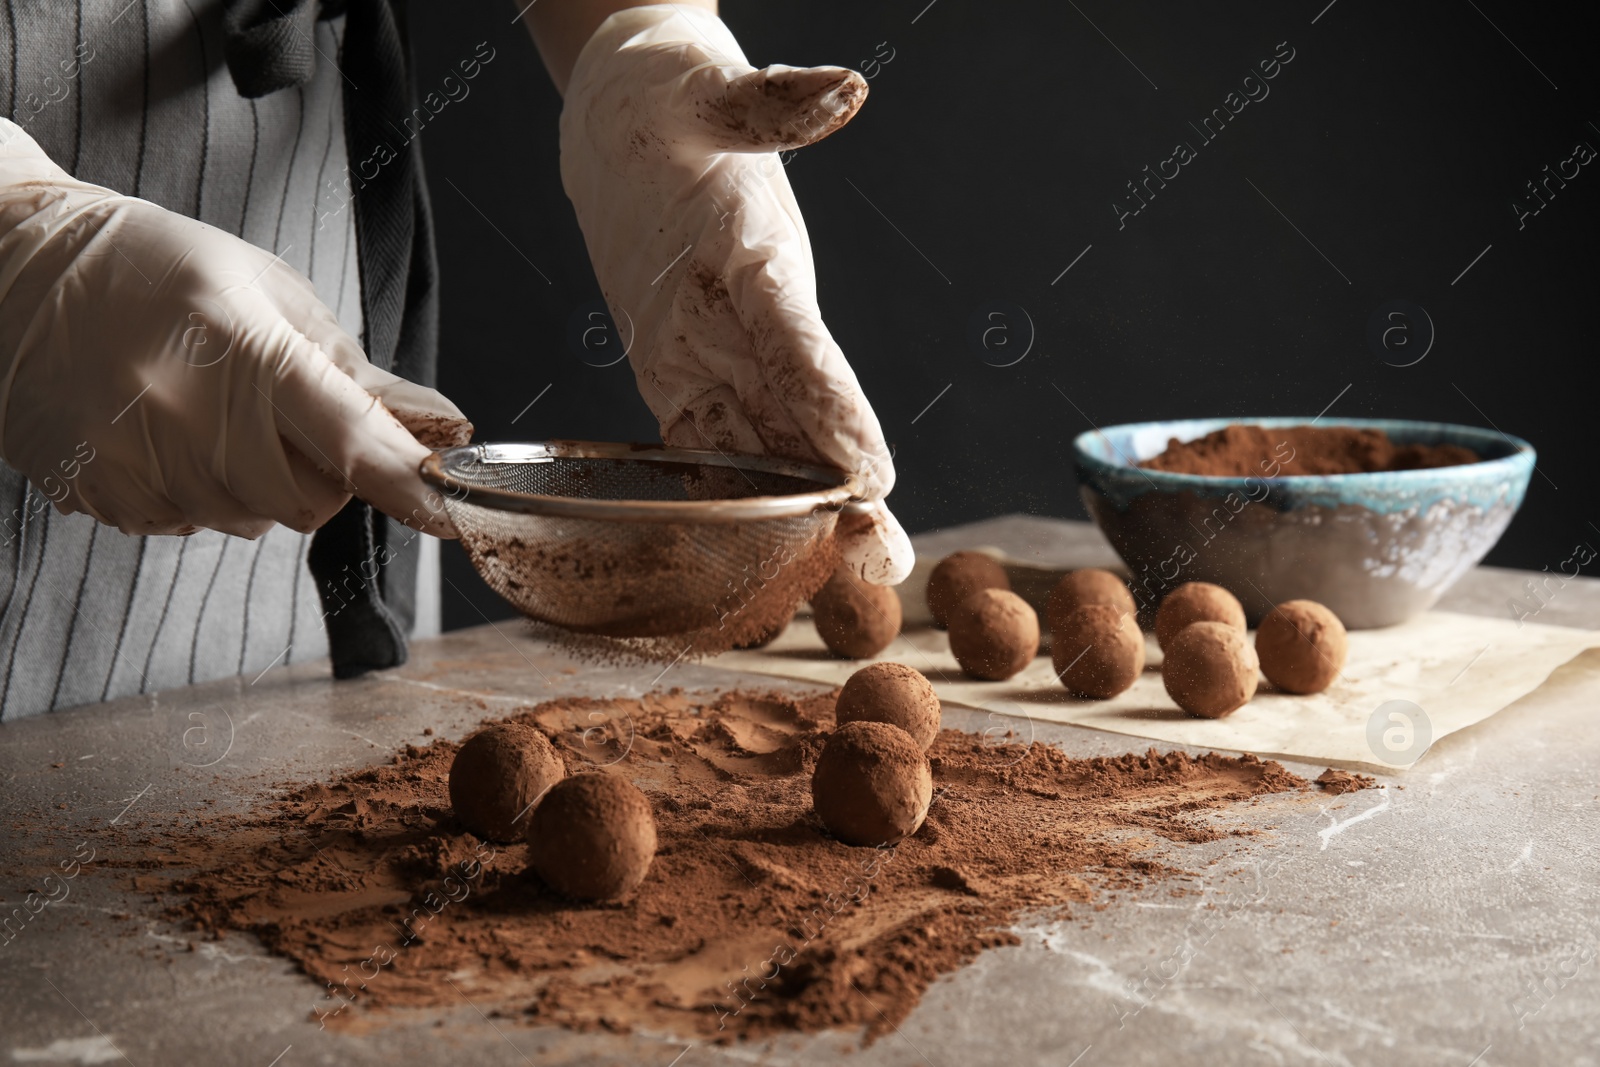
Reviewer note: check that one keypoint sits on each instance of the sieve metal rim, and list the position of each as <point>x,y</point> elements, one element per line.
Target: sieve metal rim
<point>841,492</point>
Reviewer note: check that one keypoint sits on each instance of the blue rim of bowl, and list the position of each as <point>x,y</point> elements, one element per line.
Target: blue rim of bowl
<point>1498,479</point>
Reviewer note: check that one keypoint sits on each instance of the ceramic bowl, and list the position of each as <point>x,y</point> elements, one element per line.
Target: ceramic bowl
<point>1375,548</point>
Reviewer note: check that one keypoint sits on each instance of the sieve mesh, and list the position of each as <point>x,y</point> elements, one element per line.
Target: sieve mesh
<point>641,542</point>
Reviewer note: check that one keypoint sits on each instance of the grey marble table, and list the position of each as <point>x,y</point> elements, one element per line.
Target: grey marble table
<point>1455,921</point>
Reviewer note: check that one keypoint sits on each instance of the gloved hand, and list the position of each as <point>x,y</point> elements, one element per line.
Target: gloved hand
<point>171,376</point>
<point>669,143</point>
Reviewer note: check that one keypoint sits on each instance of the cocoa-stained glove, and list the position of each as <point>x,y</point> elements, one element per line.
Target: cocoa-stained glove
<point>162,375</point>
<point>669,151</point>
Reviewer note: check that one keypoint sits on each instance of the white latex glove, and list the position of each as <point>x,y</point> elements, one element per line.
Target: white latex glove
<point>669,143</point>
<point>164,375</point>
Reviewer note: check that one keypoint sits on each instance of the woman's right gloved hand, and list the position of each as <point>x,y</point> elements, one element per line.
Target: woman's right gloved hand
<point>669,151</point>
<point>166,376</point>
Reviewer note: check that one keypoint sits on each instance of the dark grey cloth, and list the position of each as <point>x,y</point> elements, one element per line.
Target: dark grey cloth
<point>268,49</point>
<point>269,46</point>
<point>137,97</point>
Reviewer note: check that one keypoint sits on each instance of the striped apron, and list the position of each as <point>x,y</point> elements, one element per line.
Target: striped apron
<point>134,95</point>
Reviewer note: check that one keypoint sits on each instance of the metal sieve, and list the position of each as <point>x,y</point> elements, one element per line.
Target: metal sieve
<point>636,540</point>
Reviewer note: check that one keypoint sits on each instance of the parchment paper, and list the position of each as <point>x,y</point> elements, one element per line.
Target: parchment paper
<point>1454,670</point>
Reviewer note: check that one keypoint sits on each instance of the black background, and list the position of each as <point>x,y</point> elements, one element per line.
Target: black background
<point>988,156</point>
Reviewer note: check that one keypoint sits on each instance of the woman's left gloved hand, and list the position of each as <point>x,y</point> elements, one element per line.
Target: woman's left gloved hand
<point>173,376</point>
<point>669,151</point>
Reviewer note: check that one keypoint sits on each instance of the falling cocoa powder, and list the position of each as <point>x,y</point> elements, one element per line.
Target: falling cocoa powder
<point>751,921</point>
<point>1245,451</point>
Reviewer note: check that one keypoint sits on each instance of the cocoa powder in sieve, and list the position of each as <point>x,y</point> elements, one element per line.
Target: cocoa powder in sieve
<point>750,607</point>
<point>751,921</point>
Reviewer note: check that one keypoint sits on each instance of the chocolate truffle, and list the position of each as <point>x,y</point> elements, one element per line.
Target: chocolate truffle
<point>770,634</point>
<point>872,785</point>
<point>994,634</point>
<point>1210,669</point>
<point>1090,585</point>
<point>592,837</point>
<point>1097,651</point>
<point>1302,646</point>
<point>498,775</point>
<point>1196,602</point>
<point>855,619</point>
<point>957,577</point>
<point>891,693</point>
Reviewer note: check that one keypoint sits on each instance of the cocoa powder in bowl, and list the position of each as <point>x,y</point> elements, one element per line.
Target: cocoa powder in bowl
<point>872,785</point>
<point>855,619</point>
<point>994,634</point>
<point>1244,450</point>
<point>893,693</point>
<point>592,837</point>
<point>498,775</point>
<point>957,577</point>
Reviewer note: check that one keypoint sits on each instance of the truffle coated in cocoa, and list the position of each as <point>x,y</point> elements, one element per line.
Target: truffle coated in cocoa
<point>1091,585</point>
<point>855,619</point>
<point>496,777</point>
<point>1196,602</point>
<point>891,693</point>
<point>957,577</point>
<point>592,837</point>
<point>872,784</point>
<point>1210,669</point>
<point>1302,646</point>
<point>1097,651</point>
<point>994,634</point>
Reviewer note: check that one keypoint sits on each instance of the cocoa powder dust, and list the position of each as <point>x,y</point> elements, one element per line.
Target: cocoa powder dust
<point>752,920</point>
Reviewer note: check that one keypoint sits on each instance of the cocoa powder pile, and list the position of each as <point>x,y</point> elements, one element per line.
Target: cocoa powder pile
<point>752,920</point>
<point>1338,782</point>
<point>1243,451</point>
